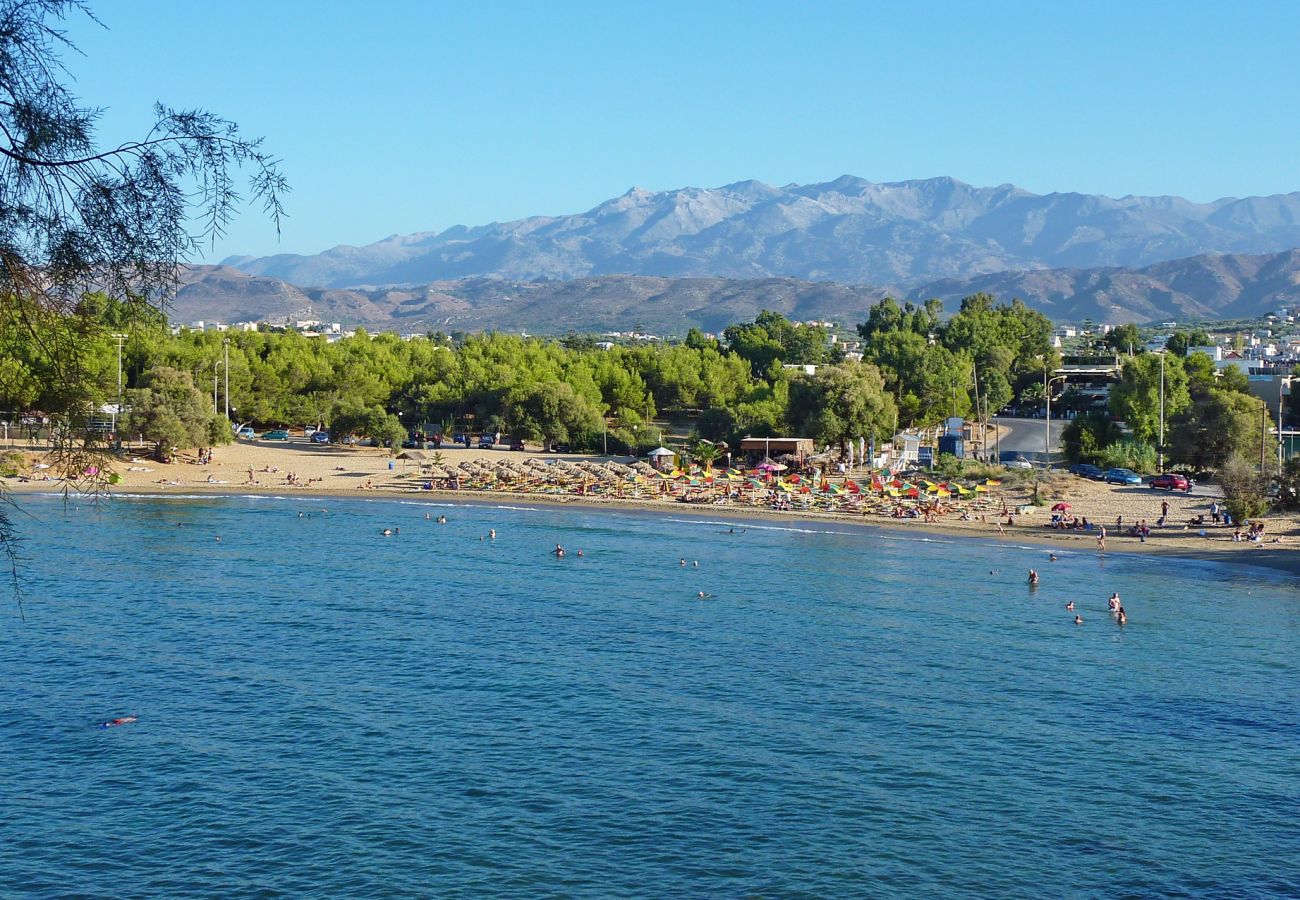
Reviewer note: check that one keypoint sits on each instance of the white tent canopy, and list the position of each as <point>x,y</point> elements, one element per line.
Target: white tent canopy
<point>661,451</point>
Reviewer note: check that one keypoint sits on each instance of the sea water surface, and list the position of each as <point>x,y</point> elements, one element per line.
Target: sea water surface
<point>851,712</point>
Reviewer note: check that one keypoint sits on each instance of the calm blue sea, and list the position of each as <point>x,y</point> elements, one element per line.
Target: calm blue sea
<point>325,711</point>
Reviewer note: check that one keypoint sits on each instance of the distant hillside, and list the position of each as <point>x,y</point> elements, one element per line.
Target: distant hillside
<point>848,230</point>
<point>1212,286</point>
<point>622,302</point>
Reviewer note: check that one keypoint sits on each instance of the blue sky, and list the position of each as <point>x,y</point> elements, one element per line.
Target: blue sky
<point>398,116</point>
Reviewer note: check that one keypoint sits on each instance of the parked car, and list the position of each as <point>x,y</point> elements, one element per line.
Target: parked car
<point>1170,481</point>
<point>278,434</point>
<point>516,444</point>
<point>1122,476</point>
<point>486,442</point>
<point>1087,470</point>
<point>1018,462</point>
<point>460,437</point>
<point>320,437</point>
<point>245,431</point>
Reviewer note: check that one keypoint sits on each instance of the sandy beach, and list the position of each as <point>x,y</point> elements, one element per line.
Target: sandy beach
<point>285,468</point>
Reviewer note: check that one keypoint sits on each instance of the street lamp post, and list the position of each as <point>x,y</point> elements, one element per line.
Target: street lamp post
<point>1047,393</point>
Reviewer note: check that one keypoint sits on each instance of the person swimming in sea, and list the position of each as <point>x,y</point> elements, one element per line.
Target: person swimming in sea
<point>1113,603</point>
<point>681,562</point>
<point>1051,557</point>
<point>442,520</point>
<point>387,532</point>
<point>1078,620</point>
<point>1121,617</point>
<point>492,535</point>
<point>579,551</point>
<point>1069,607</point>
<point>124,720</point>
<point>703,596</point>
<point>1033,577</point>
<point>558,551</point>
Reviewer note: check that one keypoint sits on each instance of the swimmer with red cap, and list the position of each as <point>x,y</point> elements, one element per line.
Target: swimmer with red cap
<point>124,720</point>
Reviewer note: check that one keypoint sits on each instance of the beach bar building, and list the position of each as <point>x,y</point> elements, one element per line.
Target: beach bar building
<point>754,449</point>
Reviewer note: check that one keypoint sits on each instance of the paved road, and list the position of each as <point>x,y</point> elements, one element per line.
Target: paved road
<point>1025,436</point>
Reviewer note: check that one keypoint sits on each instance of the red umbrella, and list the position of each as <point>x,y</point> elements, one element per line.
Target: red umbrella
<point>1061,507</point>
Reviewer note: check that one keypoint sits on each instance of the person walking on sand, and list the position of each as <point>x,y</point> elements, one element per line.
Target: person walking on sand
<point>1101,538</point>
<point>1164,509</point>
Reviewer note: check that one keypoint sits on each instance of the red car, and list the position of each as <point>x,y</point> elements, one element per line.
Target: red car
<point>1170,482</point>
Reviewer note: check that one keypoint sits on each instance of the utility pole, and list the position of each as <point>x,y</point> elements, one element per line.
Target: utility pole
<point>1160,451</point>
<point>120,339</point>
<point>1263,433</point>
<point>225,345</point>
<point>1283,383</point>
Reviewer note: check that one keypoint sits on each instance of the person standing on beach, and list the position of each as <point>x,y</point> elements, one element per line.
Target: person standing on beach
<point>1101,538</point>
<point>1164,509</point>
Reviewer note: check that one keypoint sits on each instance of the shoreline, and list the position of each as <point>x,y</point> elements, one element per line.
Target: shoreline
<point>1276,558</point>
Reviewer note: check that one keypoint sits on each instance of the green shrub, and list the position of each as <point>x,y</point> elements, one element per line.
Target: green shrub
<point>1245,491</point>
<point>12,464</point>
<point>1129,454</point>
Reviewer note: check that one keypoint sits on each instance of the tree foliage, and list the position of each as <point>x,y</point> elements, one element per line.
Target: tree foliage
<point>1125,338</point>
<point>1136,397</point>
<point>76,215</point>
<point>1085,438</point>
<point>1216,427</point>
<point>172,413</point>
<point>842,403</point>
<point>1245,489</point>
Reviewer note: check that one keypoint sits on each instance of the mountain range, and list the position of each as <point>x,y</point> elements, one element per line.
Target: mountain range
<point>1208,286</point>
<point>849,230</point>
